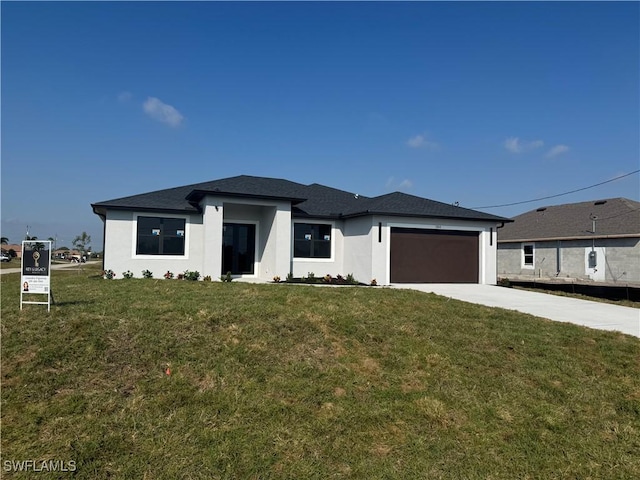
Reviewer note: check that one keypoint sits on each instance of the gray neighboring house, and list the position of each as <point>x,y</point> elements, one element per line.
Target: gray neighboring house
<point>593,241</point>
<point>258,228</point>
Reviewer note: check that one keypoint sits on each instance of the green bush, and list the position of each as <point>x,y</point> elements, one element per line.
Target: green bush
<point>193,276</point>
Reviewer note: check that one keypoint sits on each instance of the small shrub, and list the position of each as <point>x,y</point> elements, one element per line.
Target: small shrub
<point>374,282</point>
<point>168,275</point>
<point>505,282</point>
<point>128,274</point>
<point>340,280</point>
<point>276,279</point>
<point>108,274</point>
<point>327,278</point>
<point>147,274</point>
<point>311,276</point>
<point>289,277</point>
<point>180,276</point>
<point>207,278</point>
<point>350,280</point>
<point>226,278</point>
<point>193,276</point>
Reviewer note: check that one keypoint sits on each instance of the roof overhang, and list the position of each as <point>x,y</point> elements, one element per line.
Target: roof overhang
<point>101,210</point>
<point>414,215</point>
<point>583,237</point>
<point>197,195</point>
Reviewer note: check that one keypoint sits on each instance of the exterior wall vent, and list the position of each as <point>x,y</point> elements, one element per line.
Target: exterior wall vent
<point>541,209</point>
<point>600,202</point>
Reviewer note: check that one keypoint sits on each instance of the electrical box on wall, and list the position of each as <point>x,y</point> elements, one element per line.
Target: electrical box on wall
<point>593,259</point>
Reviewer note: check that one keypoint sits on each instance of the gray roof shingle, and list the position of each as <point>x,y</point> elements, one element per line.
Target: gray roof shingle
<point>313,200</point>
<point>615,216</point>
<point>402,204</point>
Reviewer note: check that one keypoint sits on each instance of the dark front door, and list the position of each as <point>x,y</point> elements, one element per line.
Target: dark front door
<point>238,248</point>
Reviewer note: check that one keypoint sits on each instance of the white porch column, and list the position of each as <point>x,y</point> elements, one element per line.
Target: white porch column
<point>283,240</point>
<point>212,238</point>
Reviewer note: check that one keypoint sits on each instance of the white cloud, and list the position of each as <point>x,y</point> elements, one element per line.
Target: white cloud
<point>392,184</point>
<point>557,150</point>
<point>514,145</point>
<point>125,96</point>
<point>420,141</point>
<point>162,112</point>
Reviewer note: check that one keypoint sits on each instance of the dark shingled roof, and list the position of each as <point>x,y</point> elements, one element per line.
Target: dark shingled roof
<point>615,216</point>
<point>402,204</point>
<point>308,200</point>
<point>185,199</point>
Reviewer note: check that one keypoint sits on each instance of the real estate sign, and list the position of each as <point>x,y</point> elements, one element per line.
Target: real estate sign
<point>36,271</point>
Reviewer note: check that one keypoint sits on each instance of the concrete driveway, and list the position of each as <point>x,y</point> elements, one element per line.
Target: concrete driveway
<point>602,316</point>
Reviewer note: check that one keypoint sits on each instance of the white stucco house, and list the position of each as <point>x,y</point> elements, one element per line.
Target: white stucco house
<point>258,228</point>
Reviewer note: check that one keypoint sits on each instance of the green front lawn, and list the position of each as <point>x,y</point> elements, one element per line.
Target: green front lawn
<point>291,381</point>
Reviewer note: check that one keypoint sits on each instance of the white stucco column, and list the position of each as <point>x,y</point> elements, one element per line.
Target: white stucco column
<point>213,221</point>
<point>283,240</point>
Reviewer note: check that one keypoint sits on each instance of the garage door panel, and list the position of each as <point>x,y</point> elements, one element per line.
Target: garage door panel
<point>434,256</point>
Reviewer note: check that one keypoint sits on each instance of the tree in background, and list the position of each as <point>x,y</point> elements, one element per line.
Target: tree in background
<point>4,240</point>
<point>81,243</point>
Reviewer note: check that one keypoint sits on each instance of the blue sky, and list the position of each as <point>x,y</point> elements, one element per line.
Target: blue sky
<point>479,103</point>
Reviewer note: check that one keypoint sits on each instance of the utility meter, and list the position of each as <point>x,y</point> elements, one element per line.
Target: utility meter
<point>593,259</point>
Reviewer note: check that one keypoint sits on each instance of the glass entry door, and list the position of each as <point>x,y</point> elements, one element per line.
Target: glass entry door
<point>238,248</point>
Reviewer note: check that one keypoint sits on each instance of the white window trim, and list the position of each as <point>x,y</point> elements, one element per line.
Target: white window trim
<point>256,260</point>
<point>134,235</point>
<point>533,264</point>
<point>312,259</point>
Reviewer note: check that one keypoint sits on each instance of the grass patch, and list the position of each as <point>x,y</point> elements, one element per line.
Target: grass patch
<point>290,381</point>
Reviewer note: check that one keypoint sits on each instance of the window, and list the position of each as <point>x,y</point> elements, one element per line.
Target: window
<point>311,240</point>
<point>160,236</point>
<point>527,255</point>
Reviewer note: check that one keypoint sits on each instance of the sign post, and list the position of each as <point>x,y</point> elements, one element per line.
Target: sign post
<point>36,271</point>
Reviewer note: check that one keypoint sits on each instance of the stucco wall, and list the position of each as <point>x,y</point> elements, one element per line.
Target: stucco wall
<point>618,260</point>
<point>120,244</point>
<point>357,247</point>
<point>358,234</point>
<point>203,239</point>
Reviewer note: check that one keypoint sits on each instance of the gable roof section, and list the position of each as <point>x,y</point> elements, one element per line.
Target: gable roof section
<point>615,217</point>
<point>252,187</point>
<point>322,201</point>
<point>186,198</point>
<point>313,200</point>
<point>402,204</point>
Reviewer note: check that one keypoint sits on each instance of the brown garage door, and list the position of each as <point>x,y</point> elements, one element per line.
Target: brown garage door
<point>434,256</point>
